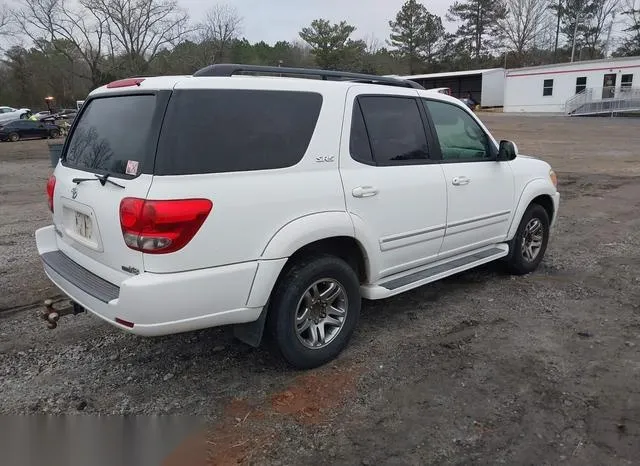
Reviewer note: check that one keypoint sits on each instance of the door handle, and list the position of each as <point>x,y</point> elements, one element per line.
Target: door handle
<point>460,180</point>
<point>364,191</point>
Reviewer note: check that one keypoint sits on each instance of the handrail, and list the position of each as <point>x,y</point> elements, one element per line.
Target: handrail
<point>604,100</point>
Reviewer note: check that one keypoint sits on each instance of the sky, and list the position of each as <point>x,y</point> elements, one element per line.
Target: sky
<point>274,20</point>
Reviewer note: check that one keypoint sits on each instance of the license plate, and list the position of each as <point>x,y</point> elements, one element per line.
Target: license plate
<point>84,225</point>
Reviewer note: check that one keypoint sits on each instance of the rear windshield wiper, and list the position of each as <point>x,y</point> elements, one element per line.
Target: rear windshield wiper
<point>103,179</point>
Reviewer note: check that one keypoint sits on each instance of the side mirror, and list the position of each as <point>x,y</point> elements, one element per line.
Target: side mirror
<point>507,151</point>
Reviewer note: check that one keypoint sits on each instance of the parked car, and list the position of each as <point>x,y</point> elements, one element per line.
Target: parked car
<point>267,201</point>
<point>468,102</point>
<point>10,113</point>
<point>27,129</point>
<point>41,115</point>
<point>67,114</point>
<point>441,90</point>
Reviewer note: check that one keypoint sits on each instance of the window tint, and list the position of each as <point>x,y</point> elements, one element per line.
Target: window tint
<point>547,87</point>
<point>111,132</point>
<point>581,84</point>
<point>460,137</point>
<point>395,129</point>
<point>214,131</point>
<point>359,143</point>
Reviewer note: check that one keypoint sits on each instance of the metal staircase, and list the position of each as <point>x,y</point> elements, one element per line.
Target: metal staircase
<point>603,101</point>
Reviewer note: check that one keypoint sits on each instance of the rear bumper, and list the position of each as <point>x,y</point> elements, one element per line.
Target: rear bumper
<point>156,304</point>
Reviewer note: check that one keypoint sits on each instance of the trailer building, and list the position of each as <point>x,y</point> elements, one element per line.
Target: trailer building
<point>486,86</point>
<point>585,87</point>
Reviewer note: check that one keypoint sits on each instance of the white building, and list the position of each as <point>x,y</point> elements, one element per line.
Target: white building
<point>600,84</point>
<point>486,86</point>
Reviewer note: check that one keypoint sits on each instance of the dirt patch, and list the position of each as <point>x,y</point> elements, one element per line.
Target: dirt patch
<point>312,396</point>
<point>248,429</point>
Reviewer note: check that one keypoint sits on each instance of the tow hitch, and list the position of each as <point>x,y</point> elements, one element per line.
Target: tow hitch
<point>54,309</point>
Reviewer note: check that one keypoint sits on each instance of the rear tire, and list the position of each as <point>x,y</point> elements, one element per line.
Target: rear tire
<point>528,246</point>
<point>314,310</point>
<point>14,137</point>
<point>54,134</point>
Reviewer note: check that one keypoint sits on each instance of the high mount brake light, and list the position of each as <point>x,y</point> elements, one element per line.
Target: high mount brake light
<point>128,82</point>
<point>159,226</point>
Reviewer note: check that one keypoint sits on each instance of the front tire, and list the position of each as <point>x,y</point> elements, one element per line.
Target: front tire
<point>54,134</point>
<point>14,137</point>
<point>527,248</point>
<point>314,310</point>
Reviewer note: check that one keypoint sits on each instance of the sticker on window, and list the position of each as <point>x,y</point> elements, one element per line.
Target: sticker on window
<point>132,167</point>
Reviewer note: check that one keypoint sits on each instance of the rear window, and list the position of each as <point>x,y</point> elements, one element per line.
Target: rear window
<point>114,135</point>
<point>216,131</point>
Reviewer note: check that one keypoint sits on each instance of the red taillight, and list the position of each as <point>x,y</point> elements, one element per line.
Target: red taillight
<point>160,227</point>
<point>51,187</point>
<point>128,82</point>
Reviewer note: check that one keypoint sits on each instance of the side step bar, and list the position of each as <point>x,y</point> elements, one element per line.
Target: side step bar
<point>408,280</point>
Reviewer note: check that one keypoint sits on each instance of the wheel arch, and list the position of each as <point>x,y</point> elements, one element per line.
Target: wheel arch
<point>539,192</point>
<point>345,247</point>
<point>326,232</point>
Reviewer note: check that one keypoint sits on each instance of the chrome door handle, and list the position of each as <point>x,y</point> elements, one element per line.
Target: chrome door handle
<point>460,180</point>
<point>364,191</point>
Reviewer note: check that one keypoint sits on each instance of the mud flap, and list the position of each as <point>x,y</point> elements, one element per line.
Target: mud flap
<point>251,332</point>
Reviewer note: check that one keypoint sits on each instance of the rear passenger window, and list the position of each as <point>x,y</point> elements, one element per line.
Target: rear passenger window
<point>395,129</point>
<point>359,144</point>
<point>216,131</point>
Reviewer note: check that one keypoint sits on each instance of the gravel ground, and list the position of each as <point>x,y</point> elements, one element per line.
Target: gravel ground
<point>480,368</point>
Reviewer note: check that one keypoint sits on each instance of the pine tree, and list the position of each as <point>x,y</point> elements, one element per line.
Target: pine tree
<point>416,34</point>
<point>479,28</point>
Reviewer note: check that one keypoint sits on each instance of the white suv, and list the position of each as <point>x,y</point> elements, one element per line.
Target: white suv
<point>234,198</point>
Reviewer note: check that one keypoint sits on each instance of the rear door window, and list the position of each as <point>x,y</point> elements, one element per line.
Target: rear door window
<point>115,135</point>
<point>221,130</point>
<point>396,130</point>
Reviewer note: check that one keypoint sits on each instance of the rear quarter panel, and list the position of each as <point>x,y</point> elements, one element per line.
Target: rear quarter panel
<point>250,208</point>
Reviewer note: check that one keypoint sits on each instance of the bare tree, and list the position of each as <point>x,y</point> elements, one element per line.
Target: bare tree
<point>6,20</point>
<point>76,33</point>
<point>630,41</point>
<point>525,21</point>
<point>603,14</point>
<point>373,44</point>
<point>221,26</point>
<point>140,29</point>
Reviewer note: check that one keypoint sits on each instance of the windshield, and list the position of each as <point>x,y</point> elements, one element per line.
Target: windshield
<point>115,135</point>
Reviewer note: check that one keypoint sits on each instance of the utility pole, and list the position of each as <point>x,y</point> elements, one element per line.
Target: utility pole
<point>555,50</point>
<point>606,44</point>
<point>575,33</point>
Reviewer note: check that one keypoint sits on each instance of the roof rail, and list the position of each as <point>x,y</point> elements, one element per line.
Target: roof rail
<point>228,69</point>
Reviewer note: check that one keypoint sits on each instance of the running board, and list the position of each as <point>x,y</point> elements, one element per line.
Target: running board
<point>398,284</point>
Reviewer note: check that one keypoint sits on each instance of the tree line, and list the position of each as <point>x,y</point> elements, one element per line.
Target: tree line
<point>75,46</point>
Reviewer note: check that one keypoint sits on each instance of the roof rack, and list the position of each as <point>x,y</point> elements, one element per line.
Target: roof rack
<point>227,69</point>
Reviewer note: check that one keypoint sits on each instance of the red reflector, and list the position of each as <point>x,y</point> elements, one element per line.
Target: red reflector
<point>124,322</point>
<point>161,227</point>
<point>51,188</point>
<point>125,82</point>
